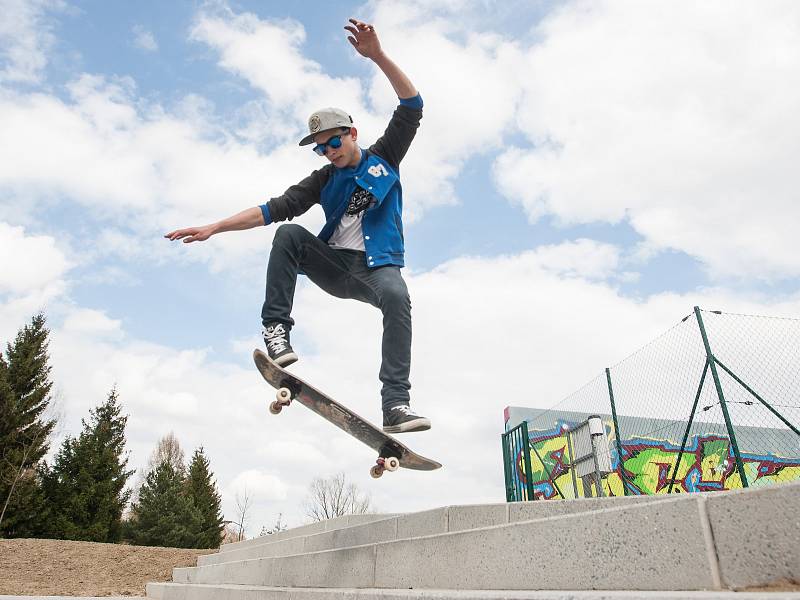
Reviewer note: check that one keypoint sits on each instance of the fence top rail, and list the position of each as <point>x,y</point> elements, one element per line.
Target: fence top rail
<point>768,317</point>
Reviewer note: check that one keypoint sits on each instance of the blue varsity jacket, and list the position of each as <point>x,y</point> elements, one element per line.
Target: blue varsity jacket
<point>378,173</point>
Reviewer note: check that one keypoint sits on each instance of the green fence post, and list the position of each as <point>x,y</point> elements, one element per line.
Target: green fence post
<point>507,468</point>
<point>517,439</point>
<point>713,364</point>
<point>688,427</point>
<point>617,432</point>
<point>526,457</point>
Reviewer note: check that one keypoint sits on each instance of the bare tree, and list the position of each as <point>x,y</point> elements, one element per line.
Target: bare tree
<point>230,534</point>
<point>18,472</point>
<point>167,450</point>
<point>334,497</point>
<point>243,504</point>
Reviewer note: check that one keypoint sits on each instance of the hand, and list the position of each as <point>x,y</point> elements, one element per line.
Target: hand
<point>364,39</point>
<point>191,234</point>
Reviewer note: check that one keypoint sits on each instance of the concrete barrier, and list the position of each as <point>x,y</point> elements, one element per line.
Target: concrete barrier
<point>639,546</point>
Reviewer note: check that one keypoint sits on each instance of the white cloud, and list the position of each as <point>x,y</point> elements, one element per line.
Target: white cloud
<point>93,323</point>
<point>257,483</point>
<point>33,274</point>
<point>138,168</point>
<point>686,132</point>
<point>31,261</point>
<point>581,258</point>
<point>144,39</point>
<point>25,39</point>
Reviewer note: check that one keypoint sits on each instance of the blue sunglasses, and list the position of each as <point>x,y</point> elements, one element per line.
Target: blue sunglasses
<point>334,142</point>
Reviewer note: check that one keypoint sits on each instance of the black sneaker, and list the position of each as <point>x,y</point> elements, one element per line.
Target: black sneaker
<point>276,337</point>
<point>401,419</point>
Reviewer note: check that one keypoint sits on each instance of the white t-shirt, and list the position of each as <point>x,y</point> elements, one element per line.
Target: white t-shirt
<point>348,233</point>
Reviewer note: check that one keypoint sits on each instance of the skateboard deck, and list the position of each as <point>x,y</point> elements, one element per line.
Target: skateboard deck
<point>391,452</point>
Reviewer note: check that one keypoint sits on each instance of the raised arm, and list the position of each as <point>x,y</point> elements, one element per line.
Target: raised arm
<point>247,219</point>
<point>366,43</point>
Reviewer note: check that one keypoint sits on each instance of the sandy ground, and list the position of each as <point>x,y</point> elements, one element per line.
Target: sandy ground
<point>62,568</point>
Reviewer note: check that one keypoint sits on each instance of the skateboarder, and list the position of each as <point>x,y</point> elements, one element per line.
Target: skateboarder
<point>359,252</point>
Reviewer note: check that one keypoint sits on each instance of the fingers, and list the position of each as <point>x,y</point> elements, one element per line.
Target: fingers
<point>178,234</point>
<point>362,27</point>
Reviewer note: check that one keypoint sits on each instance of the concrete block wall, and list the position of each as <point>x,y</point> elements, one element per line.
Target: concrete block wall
<point>342,533</point>
<point>721,541</point>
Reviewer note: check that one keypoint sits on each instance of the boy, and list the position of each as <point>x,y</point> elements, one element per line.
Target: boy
<point>359,252</point>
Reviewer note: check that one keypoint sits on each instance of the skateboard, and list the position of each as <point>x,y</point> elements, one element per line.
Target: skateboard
<point>392,454</point>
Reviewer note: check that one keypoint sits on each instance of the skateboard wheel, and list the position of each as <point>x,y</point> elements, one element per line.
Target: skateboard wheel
<point>284,396</point>
<point>275,407</point>
<point>392,463</point>
<point>376,472</point>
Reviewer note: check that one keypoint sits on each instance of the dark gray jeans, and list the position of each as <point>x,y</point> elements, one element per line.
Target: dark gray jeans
<point>344,274</point>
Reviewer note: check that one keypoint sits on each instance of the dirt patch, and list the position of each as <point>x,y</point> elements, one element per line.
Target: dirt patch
<point>783,585</point>
<point>58,567</point>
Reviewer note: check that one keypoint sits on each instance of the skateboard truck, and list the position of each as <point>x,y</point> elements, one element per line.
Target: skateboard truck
<point>386,461</point>
<point>283,397</point>
<point>389,463</point>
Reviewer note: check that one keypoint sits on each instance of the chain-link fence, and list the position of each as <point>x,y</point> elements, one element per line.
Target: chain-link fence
<point>711,404</point>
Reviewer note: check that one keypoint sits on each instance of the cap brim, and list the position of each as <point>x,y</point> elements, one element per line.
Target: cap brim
<point>309,139</point>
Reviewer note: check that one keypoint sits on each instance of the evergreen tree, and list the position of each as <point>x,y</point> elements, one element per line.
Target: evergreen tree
<point>165,515</point>
<point>203,492</point>
<point>85,488</point>
<point>24,431</point>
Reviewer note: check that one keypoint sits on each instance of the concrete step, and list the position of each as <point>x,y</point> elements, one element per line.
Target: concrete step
<point>431,522</point>
<point>730,540</point>
<point>303,530</point>
<point>173,591</point>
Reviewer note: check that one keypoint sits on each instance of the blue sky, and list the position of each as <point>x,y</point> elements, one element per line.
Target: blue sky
<point>99,38</point>
<point>585,173</point>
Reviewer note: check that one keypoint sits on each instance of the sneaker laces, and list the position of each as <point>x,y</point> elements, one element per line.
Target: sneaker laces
<point>275,338</point>
<point>406,410</point>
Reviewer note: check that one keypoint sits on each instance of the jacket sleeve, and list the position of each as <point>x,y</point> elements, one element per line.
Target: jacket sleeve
<point>298,198</point>
<point>395,141</point>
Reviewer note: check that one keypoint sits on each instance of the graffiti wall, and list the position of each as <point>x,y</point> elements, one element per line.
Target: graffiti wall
<point>648,462</point>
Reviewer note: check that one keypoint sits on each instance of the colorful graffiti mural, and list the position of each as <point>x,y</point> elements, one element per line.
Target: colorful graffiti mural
<point>706,464</point>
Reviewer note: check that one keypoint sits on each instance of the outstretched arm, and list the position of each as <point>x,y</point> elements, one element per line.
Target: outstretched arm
<point>247,219</point>
<point>366,43</point>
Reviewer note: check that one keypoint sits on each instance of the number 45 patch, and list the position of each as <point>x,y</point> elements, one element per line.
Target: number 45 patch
<point>377,170</point>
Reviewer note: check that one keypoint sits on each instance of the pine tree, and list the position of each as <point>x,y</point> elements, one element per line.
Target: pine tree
<point>203,492</point>
<point>24,431</point>
<point>165,515</point>
<point>85,488</point>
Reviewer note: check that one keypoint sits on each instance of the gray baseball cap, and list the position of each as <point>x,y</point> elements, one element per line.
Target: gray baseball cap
<point>324,119</point>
